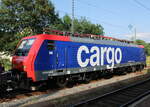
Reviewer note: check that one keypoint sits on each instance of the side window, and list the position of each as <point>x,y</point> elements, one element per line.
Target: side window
<point>50,45</point>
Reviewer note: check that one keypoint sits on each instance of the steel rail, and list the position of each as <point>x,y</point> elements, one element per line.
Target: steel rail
<point>129,102</point>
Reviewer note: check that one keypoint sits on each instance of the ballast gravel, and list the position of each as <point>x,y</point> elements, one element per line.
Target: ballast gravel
<point>71,91</point>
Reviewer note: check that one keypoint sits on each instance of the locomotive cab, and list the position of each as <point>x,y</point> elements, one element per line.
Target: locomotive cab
<point>24,47</point>
<point>21,53</point>
<point>34,57</point>
<point>22,61</point>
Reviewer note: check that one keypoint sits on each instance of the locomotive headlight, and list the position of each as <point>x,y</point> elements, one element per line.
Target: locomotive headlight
<point>24,67</point>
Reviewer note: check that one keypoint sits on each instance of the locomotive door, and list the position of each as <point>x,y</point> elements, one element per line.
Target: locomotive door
<point>52,55</point>
<point>52,58</point>
<point>57,54</point>
<point>61,58</point>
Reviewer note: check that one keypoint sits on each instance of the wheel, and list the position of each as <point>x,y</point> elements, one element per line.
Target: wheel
<point>70,84</point>
<point>133,69</point>
<point>140,68</point>
<point>61,82</point>
<point>95,75</point>
<point>87,78</point>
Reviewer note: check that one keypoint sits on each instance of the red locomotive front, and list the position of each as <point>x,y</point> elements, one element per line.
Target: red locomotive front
<point>23,57</point>
<point>21,53</point>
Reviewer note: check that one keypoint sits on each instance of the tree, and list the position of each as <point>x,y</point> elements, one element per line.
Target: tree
<point>140,42</point>
<point>8,43</point>
<point>82,26</point>
<point>18,15</point>
<point>15,15</point>
<point>87,27</point>
<point>146,45</point>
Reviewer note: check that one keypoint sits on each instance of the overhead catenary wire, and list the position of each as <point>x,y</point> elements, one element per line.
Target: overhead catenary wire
<point>73,15</point>
<point>94,6</point>
<point>106,10</point>
<point>142,5</point>
<point>97,20</point>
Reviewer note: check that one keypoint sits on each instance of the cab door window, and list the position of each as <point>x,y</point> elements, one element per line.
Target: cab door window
<point>50,45</point>
<point>24,47</point>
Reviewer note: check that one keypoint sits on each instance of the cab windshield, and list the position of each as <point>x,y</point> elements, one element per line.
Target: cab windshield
<point>24,47</point>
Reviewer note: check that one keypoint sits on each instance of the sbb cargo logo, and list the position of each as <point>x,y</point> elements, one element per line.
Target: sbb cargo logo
<point>95,56</point>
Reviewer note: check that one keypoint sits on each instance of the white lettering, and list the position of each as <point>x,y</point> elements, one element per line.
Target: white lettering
<point>118,51</point>
<point>110,60</point>
<point>103,50</point>
<point>94,56</point>
<point>79,57</point>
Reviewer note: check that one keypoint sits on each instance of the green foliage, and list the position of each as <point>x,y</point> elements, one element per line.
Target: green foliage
<point>140,42</point>
<point>21,18</point>
<point>22,15</point>
<point>148,61</point>
<point>5,41</point>
<point>25,32</point>
<point>146,45</point>
<point>82,26</point>
<point>6,64</point>
<point>9,42</point>
<point>15,15</point>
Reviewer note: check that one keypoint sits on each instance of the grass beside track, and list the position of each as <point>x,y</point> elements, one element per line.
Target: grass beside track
<point>148,61</point>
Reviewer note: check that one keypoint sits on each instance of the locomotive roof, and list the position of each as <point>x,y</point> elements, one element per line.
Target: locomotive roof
<point>98,37</point>
<point>83,40</point>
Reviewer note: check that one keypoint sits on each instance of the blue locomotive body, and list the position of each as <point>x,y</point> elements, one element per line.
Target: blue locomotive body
<point>57,58</point>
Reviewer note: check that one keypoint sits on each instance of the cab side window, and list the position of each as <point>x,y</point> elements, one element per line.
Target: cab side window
<point>50,45</point>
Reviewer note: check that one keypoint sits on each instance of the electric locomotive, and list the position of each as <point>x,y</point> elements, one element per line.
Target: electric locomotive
<point>67,58</point>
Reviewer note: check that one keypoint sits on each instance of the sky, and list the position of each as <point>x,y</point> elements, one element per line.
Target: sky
<point>114,15</point>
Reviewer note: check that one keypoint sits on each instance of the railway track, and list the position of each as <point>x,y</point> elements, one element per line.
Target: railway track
<point>20,94</point>
<point>122,97</point>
